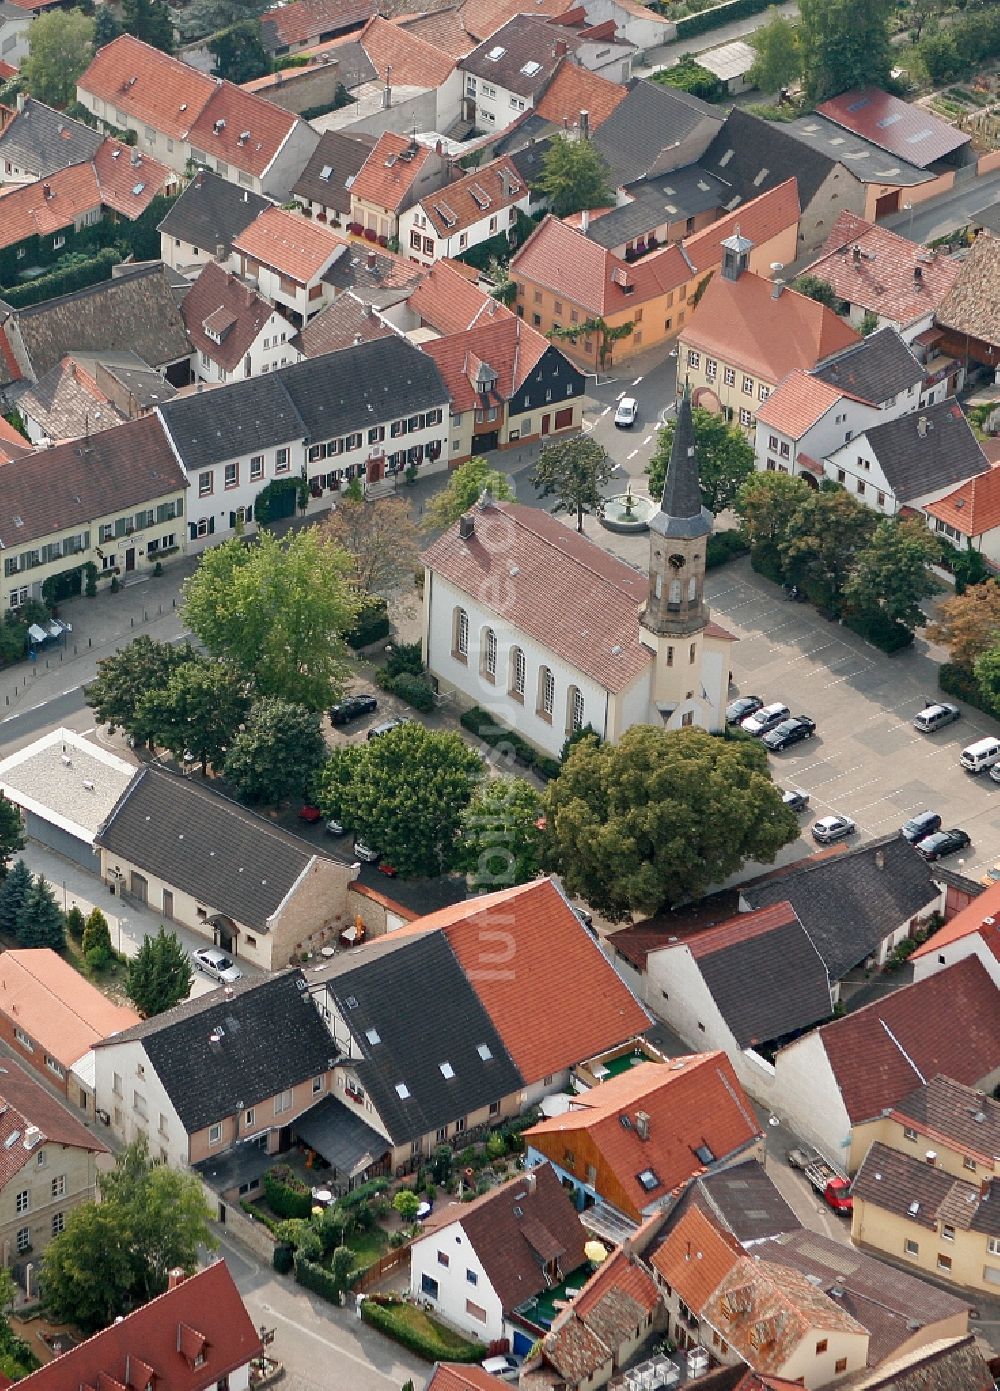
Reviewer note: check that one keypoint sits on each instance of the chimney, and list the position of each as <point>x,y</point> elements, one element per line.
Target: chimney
<point>135,159</point>
<point>584,125</point>
<point>931,1157</point>
<point>776,288</point>
<point>47,190</point>
<point>438,147</point>
<point>585,222</point>
<point>386,97</point>
<point>918,275</point>
<point>372,260</point>
<point>199,179</point>
<point>175,1277</point>
<point>466,526</point>
<point>357,339</point>
<point>20,101</point>
<point>984,1190</point>
<point>642,1125</point>
<point>923,425</point>
<point>561,49</point>
<point>530,1178</point>
<point>880,859</point>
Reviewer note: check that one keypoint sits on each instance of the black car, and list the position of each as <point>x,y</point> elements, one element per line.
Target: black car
<point>742,706</point>
<point>795,800</point>
<point>352,708</point>
<point>943,843</point>
<point>924,824</point>
<point>789,732</point>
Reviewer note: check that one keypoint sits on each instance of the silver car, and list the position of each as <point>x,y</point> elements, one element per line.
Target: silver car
<point>830,828</point>
<point>217,964</point>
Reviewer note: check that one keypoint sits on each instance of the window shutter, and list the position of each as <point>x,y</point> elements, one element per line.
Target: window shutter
<point>249,512</point>
<point>211,525</point>
<point>232,521</point>
<point>192,531</point>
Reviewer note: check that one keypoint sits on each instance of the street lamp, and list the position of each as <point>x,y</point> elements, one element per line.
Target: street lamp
<point>908,208</point>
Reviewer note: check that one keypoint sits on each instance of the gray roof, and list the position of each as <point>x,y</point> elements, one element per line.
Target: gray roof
<point>850,902</point>
<point>521,55</point>
<point>867,162</point>
<point>209,847</point>
<point>336,158</point>
<point>681,512</point>
<point>742,1199</point>
<point>339,1134</point>
<point>314,400</point>
<point>670,198</point>
<point>751,156</point>
<point>878,368</point>
<point>271,1039</point>
<point>652,117</point>
<point>931,450</point>
<point>212,212</point>
<point>412,997</point>
<point>989,218</point>
<point>44,141</point>
<point>384,282</point>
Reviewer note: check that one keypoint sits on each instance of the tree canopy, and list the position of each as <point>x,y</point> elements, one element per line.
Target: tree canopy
<point>11,832</point>
<point>239,52</point>
<point>814,287</point>
<point>660,817</point>
<point>149,20</point>
<point>381,538</point>
<point>463,490</point>
<point>106,27</point>
<point>844,44</point>
<point>501,840</point>
<point>822,539</point>
<point>159,976</point>
<point>779,60</point>
<point>968,624</point>
<point>574,176</point>
<point>403,794</point>
<point>13,892</point>
<point>198,710</point>
<point>277,754</point>
<point>891,574</point>
<point>40,922</point>
<point>118,693</point>
<point>60,47</point>
<point>575,472</point>
<point>725,458</point>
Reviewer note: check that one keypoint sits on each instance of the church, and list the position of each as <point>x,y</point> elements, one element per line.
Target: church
<point>547,631</point>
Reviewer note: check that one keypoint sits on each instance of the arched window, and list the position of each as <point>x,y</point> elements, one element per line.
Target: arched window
<point>674,593</point>
<point>460,636</point>
<point>546,691</point>
<point>489,652</point>
<point>518,671</point>
<point>574,709</point>
<point>692,589</point>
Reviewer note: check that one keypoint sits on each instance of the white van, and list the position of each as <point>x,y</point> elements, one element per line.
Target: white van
<point>982,754</point>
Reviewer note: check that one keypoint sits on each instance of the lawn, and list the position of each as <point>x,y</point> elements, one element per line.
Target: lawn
<point>420,1332</point>
<point>368,1246</point>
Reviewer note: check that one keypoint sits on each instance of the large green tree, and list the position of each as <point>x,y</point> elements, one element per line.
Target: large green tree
<point>845,44</point>
<point>239,52</point>
<point>149,20</point>
<point>276,612</point>
<point>822,541</point>
<point>501,836</point>
<point>118,693</point>
<point>575,472</point>
<point>967,624</point>
<point>660,817</point>
<point>277,754</point>
<point>13,892</point>
<point>198,710</point>
<point>381,538</point>
<point>892,573</point>
<point>464,488</point>
<point>60,47</point>
<point>574,176</point>
<point>159,976</point>
<point>40,922</point>
<point>106,27</point>
<point>114,1256</point>
<point>725,459</point>
<point>203,17</point>
<point>403,794</point>
<point>11,832</point>
<point>766,502</point>
<point>779,60</point>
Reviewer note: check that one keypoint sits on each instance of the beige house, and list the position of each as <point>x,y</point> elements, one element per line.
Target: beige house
<point>255,890</point>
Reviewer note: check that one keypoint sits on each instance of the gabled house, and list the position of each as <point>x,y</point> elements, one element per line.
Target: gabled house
<point>463,214</point>
<point>635,1141</point>
<point>397,80</point>
<point>15,21</point>
<point>287,256</point>
<point>343,324</point>
<point>202,224</point>
<point>970,516</point>
<point>482,1261</point>
<point>65,405</point>
<point>579,100</point>
<point>655,130</point>
<point>290,28</point>
<point>898,127</point>
<point>968,315</point>
<point>41,141</point>
<point>882,370</point>
<point>613,1316</point>
<point>444,299</point>
<point>951,1364</point>
<point>233,330</point>
<point>396,175</point>
<point>324,186</point>
<point>974,931</point>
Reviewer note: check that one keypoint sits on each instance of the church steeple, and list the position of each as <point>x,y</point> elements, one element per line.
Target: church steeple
<point>681,512</point>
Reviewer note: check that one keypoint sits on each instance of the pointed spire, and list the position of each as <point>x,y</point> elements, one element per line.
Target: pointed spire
<point>681,512</point>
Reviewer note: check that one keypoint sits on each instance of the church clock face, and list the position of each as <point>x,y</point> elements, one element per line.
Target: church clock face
<point>675,561</point>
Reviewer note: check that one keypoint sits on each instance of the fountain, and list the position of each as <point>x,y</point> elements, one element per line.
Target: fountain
<point>627,514</point>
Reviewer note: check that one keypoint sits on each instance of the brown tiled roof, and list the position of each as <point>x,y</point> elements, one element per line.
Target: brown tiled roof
<point>961,1117</point>
<point>414,61</point>
<point>241,129</point>
<point>883,1050</point>
<point>338,156</point>
<point>741,323</point>
<point>290,244</point>
<point>972,305</point>
<point>570,595</point>
<point>624,1272</point>
<point>340,325</point>
<point>48,205</point>
<point>637,941</point>
<point>54,490</point>
<point>543,1031</point>
<point>797,403</point>
<point>40,992</point>
<point>575,89</point>
<point>12,442</point>
<point>503,342</point>
<point>27,1103</point>
<point>974,508</point>
<point>692,1102</point>
<point>444,29</point>
<point>522,55</point>
<point>311,20</point>
<point>574,1349</point>
<point>235,311</point>
<point>129,181</point>
<point>148,85</point>
<point>882,271</point>
<point>385,179</point>
<point>760,220</point>
<point>458,1376</point>
<point>909,131</point>
<point>67,403</point>
<point>907,1186</point>
<point>448,301</point>
<point>484,17</point>
<point>971,918</point>
<point>695,1257</point>
<point>482,193</point>
<point>949,1364</point>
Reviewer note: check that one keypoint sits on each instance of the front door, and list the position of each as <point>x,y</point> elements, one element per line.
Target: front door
<point>546,419</point>
<point>138,887</point>
<point>130,559</point>
<point>376,468</point>
<point>225,939</point>
<point>168,903</point>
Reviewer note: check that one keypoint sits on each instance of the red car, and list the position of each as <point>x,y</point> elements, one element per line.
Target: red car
<point>310,814</point>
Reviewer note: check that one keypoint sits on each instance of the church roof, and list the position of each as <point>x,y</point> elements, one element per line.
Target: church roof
<point>681,512</point>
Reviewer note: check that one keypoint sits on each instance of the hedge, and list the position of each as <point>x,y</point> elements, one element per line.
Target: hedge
<point>484,726</point>
<point>386,1318</point>
<point>372,624</point>
<point>64,282</point>
<point>318,1279</point>
<point>283,1259</point>
<point>362,1194</point>
<point>960,682</point>
<point>286,1195</point>
<point>415,690</point>
<point>257,1214</point>
<point>882,632</point>
<point>724,546</point>
<point>719,15</point>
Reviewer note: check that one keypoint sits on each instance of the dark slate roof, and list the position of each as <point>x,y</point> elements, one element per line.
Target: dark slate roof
<point>208,1080</point>
<point>207,846</point>
<point>43,141</point>
<point>313,400</point>
<point>343,155</point>
<point>212,212</point>
<point>929,450</point>
<point>860,157</point>
<point>415,996</point>
<point>339,1134</point>
<point>848,903</point>
<point>376,277</point>
<point>744,1200</point>
<point>651,118</point>
<point>681,513</point>
<point>989,218</point>
<point>670,198</point>
<point>751,155</point>
<point>878,368</point>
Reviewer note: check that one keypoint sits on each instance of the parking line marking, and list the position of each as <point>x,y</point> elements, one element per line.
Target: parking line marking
<point>631,456</point>
<point>605,411</point>
<point>647,440</point>
<point>620,396</point>
<point>637,381</point>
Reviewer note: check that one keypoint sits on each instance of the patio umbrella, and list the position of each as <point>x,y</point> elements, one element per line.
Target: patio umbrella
<point>595,1252</point>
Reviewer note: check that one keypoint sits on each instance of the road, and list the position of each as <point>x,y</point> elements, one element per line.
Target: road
<point>947,213</point>
<point>666,55</point>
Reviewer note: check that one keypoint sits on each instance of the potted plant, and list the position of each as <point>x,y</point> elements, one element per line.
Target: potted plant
<point>411,474</point>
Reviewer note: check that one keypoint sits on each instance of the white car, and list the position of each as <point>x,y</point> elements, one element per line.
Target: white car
<point>217,964</point>
<point>830,828</point>
<point>365,852</point>
<point>504,1366</point>
<point>627,413</point>
<point>767,717</point>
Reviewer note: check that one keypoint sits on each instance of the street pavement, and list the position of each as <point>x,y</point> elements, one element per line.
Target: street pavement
<point>940,216</point>
<point>666,55</point>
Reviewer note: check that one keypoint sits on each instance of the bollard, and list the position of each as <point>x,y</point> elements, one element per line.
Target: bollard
<point>132,622</point>
<point>145,616</point>
<point>173,603</point>
<point>90,642</point>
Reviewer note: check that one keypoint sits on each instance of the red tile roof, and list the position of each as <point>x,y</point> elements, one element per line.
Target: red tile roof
<point>12,442</point>
<point>974,508</point>
<point>575,89</point>
<point>797,403</point>
<point>414,61</point>
<point>543,1030</point>
<point>53,1004</point>
<point>129,181</point>
<point>882,1051</point>
<point>696,1257</point>
<point>906,130</point>
<point>385,180</point>
<point>481,194</point>
<point>49,205</point>
<point>241,129</point>
<point>881,271</point>
<point>290,244</point>
<point>979,913</point>
<point>444,29</point>
<point>744,927</point>
<point>623,1273</point>
<point>6,70</point>
<point>760,220</point>
<point>691,1101</point>
<point>484,17</point>
<point>245,314</point>
<point>148,85</point>
<point>567,593</point>
<point>457,1376</point>
<point>742,324</point>
<point>448,301</point>
<point>26,1104</point>
<point>310,20</point>
<point>501,341</point>
<point>188,1339</point>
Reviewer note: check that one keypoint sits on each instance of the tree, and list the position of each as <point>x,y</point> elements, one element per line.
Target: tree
<point>159,976</point>
<point>96,944</point>
<point>407,1204</point>
<point>381,538</point>
<point>845,44</point>
<point>574,176</point>
<point>813,287</point>
<point>658,818</point>
<point>892,573</point>
<point>403,794</point>
<point>575,472</point>
<point>725,459</point>
<point>690,76</point>
<point>106,27</point>
<point>11,832</point>
<point>198,710</point>
<point>60,47</point>
<point>278,754</point>
<point>40,922</point>
<point>149,20</point>
<point>118,693</point>
<point>822,540</point>
<point>203,17</point>
<point>606,334</point>
<point>464,488</point>
<point>13,892</point>
<point>501,836</point>
<point>239,52</point>
<point>75,923</point>
<point>779,61</point>
<point>114,1256</point>
<point>276,612</point>
<point>940,56</point>
<point>967,624</point>
<point>766,502</point>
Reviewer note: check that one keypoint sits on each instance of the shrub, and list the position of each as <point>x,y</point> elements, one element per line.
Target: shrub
<point>363,1194</point>
<point>75,923</point>
<point>314,1277</point>
<point>286,1194</point>
<point>90,579</point>
<point>372,624</point>
<point>724,546</point>
<point>766,561</point>
<point>283,1259</point>
<point>435,1345</point>
<point>415,690</point>
<point>883,633</point>
<point>96,941</point>
<point>545,766</point>
<point>406,657</point>
<point>960,682</point>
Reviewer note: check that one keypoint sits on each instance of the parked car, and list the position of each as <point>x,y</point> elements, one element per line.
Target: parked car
<point>830,828</point>
<point>795,800</point>
<point>789,732</point>
<point>504,1365</point>
<point>936,716</point>
<point>310,814</point>
<point>627,413</point>
<point>217,964</point>
<point>942,843</point>
<point>765,718</point>
<point>365,852</point>
<point>925,823</point>
<point>352,708</point>
<point>737,710</point>
<point>335,827</point>
<point>387,726</point>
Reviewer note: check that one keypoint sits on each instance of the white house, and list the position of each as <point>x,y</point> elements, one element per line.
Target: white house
<point>459,216</point>
<point>286,256</point>
<point>14,24</point>
<point>234,331</point>
<point>974,931</point>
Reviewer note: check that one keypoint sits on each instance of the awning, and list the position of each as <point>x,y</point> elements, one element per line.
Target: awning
<point>244,1163</point>
<point>37,634</point>
<point>340,1136</point>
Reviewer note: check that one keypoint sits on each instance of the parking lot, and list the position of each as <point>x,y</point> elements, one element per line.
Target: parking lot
<point>866,760</point>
